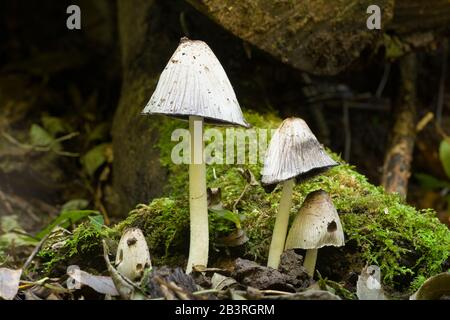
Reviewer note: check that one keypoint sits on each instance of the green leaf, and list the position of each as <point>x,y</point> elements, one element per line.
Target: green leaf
<point>19,240</point>
<point>9,223</point>
<point>97,221</point>
<point>228,215</point>
<point>75,204</point>
<point>40,137</point>
<point>54,125</point>
<point>94,158</point>
<point>65,219</point>
<point>444,155</point>
<point>430,182</point>
<point>99,133</point>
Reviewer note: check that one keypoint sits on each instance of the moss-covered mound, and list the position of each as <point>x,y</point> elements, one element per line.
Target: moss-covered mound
<point>408,244</point>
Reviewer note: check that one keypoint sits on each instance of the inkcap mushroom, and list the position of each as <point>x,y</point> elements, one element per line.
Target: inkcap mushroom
<point>316,225</point>
<point>132,256</point>
<point>194,87</point>
<point>293,154</point>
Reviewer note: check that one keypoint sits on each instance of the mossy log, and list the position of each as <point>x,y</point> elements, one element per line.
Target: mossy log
<point>323,37</point>
<point>380,228</point>
<point>408,244</point>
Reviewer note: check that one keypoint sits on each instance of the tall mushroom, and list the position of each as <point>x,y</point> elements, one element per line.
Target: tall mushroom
<point>293,153</point>
<point>195,87</point>
<point>316,225</point>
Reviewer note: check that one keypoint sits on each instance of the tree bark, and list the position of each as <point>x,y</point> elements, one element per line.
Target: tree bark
<point>145,46</point>
<point>325,37</point>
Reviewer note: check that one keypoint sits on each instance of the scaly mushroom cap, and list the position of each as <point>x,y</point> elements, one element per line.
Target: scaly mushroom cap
<point>294,152</point>
<point>316,225</point>
<point>132,254</point>
<point>194,83</point>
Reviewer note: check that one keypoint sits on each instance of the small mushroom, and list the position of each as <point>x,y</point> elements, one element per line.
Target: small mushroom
<point>195,87</point>
<point>316,225</point>
<point>293,154</point>
<point>132,256</point>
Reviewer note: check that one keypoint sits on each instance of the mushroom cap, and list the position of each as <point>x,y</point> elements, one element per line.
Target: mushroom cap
<point>132,254</point>
<point>316,225</point>
<point>194,83</point>
<point>294,152</point>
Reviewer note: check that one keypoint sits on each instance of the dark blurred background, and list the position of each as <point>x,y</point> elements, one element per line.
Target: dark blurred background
<point>58,83</point>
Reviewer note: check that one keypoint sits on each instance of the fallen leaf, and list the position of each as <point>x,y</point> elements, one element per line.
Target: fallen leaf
<point>9,283</point>
<point>221,282</point>
<point>79,278</point>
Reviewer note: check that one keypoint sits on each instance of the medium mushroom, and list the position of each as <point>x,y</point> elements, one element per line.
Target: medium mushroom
<point>133,256</point>
<point>195,87</point>
<point>293,154</point>
<point>316,225</point>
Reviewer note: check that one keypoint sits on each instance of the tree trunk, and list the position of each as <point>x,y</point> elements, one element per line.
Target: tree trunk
<point>145,47</point>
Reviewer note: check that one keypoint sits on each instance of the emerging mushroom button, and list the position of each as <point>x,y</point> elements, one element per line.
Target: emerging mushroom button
<point>293,154</point>
<point>133,256</point>
<point>195,87</point>
<point>316,225</point>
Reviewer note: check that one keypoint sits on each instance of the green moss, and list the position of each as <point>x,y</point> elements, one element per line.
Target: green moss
<point>406,243</point>
<point>409,245</point>
<point>82,246</point>
<point>165,222</point>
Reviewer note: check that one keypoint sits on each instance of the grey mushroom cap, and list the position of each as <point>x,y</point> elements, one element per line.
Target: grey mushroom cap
<point>316,225</point>
<point>294,152</point>
<point>194,83</point>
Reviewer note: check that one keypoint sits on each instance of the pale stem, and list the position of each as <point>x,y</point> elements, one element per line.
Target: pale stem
<point>310,261</point>
<point>198,207</point>
<point>281,225</point>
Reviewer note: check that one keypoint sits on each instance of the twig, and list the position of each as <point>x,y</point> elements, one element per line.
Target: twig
<point>198,293</point>
<point>398,159</point>
<point>26,284</point>
<point>240,197</point>
<point>180,292</point>
<point>384,79</point>
<point>426,119</point>
<point>48,148</point>
<point>163,285</point>
<point>35,252</point>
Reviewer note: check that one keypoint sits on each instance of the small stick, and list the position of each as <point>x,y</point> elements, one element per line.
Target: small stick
<point>384,79</point>
<point>240,197</point>
<point>35,252</point>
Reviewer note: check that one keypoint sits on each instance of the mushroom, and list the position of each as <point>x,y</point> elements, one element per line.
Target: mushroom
<point>195,87</point>
<point>316,225</point>
<point>293,154</point>
<point>132,256</point>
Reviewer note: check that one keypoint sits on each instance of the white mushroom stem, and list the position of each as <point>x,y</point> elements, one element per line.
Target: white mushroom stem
<point>281,225</point>
<point>310,261</point>
<point>198,207</point>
